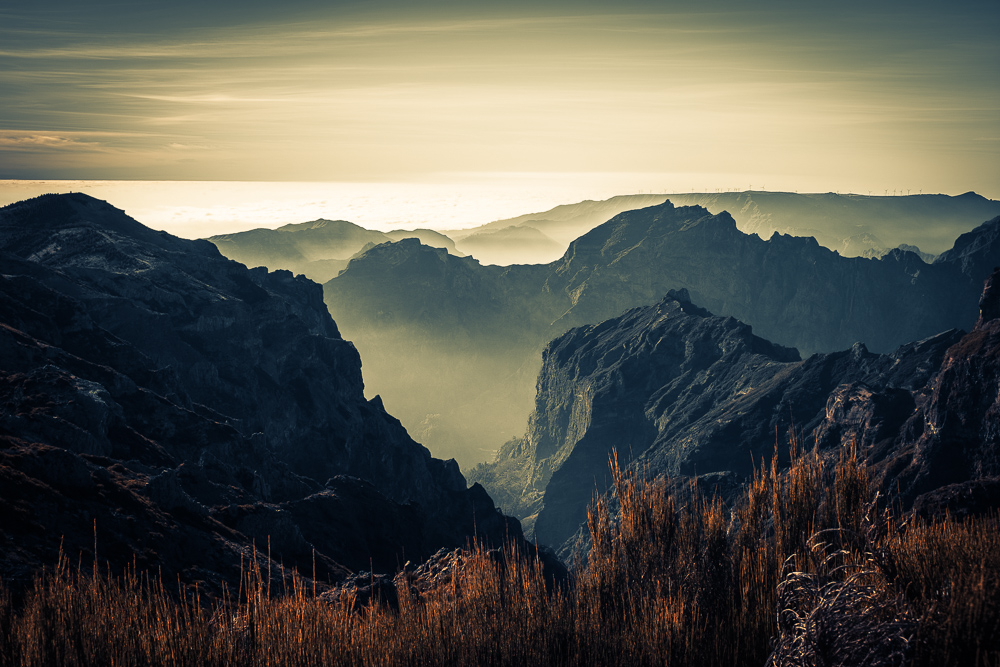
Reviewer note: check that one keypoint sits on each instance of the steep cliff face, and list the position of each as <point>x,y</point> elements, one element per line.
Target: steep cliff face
<point>680,392</point>
<point>975,252</point>
<point>218,404</point>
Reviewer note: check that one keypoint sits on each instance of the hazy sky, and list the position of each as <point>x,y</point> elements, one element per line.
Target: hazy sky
<point>858,96</point>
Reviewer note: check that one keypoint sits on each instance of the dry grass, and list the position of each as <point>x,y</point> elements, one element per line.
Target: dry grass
<point>798,571</point>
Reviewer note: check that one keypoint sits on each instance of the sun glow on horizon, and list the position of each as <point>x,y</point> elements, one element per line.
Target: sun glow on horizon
<point>900,99</point>
<point>197,209</point>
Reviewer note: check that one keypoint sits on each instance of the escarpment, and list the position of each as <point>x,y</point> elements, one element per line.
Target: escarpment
<point>187,409</point>
<point>679,392</point>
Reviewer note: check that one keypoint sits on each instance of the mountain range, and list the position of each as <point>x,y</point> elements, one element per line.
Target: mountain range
<point>454,345</point>
<point>853,225</point>
<point>170,409</point>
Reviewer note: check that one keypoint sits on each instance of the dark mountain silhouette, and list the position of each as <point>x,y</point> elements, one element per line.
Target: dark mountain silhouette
<point>319,249</point>
<point>186,407</point>
<point>680,392</point>
<point>790,289</point>
<point>427,322</point>
<point>853,225</point>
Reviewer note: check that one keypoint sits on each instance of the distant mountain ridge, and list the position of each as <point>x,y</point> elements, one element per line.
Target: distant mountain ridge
<point>189,407</point>
<point>853,225</point>
<point>319,249</point>
<point>791,290</point>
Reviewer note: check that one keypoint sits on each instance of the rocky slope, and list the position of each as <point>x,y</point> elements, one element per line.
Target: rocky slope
<point>947,451</point>
<point>411,307</point>
<point>186,407</point>
<point>680,392</point>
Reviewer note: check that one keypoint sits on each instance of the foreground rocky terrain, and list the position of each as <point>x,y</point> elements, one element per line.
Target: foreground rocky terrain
<point>679,392</point>
<point>189,415</point>
<point>427,322</point>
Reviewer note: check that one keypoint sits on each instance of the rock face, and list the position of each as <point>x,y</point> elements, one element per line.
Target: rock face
<point>791,290</point>
<point>191,407</point>
<point>678,391</point>
<point>947,452</point>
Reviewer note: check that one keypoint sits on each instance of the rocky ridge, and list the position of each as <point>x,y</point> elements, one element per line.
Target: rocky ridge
<point>679,392</point>
<point>188,410</point>
<point>853,225</point>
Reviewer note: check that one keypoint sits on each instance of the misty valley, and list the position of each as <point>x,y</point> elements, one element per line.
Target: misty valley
<point>702,429</point>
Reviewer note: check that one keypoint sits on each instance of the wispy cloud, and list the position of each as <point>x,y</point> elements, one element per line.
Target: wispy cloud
<point>32,141</point>
<point>205,98</point>
<point>60,141</point>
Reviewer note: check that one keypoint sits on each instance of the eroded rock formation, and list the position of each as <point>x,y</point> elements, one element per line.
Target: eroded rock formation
<point>191,408</point>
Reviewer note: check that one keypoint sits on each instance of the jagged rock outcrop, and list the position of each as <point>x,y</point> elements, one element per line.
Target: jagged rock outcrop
<point>680,392</point>
<point>190,406</point>
<point>946,454</point>
<point>409,306</point>
<point>975,253</point>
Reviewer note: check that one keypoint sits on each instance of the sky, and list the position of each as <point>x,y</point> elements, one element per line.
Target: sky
<point>787,95</point>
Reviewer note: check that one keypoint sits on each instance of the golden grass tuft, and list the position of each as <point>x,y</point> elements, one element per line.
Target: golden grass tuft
<point>801,569</point>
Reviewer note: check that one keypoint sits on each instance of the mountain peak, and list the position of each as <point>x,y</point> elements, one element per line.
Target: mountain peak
<point>80,229</point>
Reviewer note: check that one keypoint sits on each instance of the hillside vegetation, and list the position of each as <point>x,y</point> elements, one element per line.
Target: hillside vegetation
<point>803,569</point>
